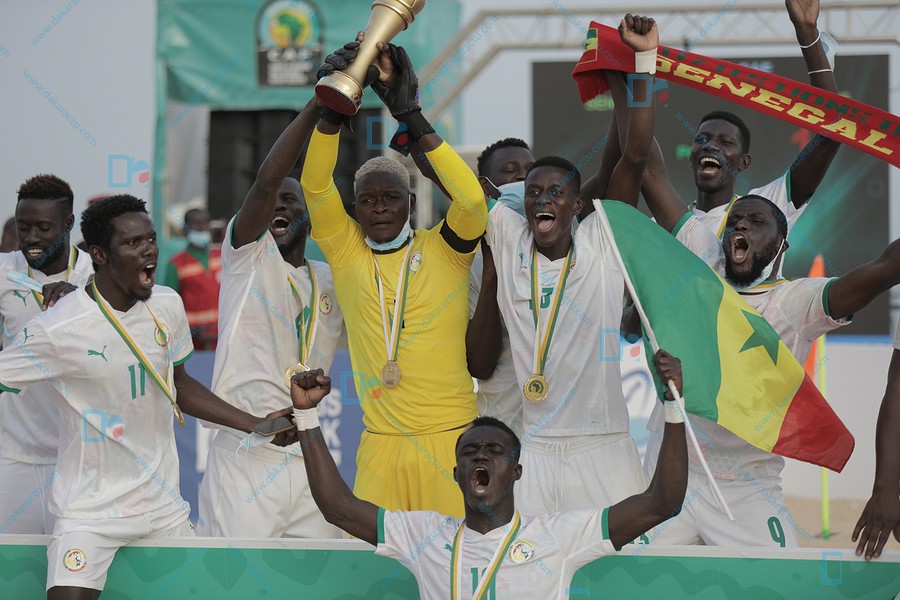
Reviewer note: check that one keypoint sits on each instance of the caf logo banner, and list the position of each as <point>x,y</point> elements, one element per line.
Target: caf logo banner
<point>290,37</point>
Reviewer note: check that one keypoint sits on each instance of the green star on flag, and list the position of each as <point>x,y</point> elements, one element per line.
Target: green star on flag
<point>763,335</point>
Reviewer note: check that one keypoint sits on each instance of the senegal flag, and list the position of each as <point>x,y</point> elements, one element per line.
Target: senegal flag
<point>737,371</point>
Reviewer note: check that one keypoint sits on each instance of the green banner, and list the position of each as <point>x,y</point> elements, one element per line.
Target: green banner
<point>350,570</point>
<point>263,54</point>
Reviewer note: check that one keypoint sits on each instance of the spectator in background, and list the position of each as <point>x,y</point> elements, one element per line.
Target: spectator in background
<point>217,227</point>
<point>9,242</point>
<point>196,273</point>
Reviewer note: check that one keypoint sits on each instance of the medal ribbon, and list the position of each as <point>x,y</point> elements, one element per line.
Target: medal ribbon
<point>493,566</point>
<point>542,346</point>
<point>392,339</point>
<point>73,256</point>
<point>725,217</point>
<point>307,335</point>
<point>765,285</point>
<point>135,349</point>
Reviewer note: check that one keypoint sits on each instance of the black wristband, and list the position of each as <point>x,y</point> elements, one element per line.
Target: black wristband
<point>417,124</point>
<point>329,115</point>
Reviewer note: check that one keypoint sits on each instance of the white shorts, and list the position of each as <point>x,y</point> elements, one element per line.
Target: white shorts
<point>24,493</point>
<point>760,517</point>
<point>578,473</point>
<point>756,501</point>
<point>81,550</point>
<point>260,494</point>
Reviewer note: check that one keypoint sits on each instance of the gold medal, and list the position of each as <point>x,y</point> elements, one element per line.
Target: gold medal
<point>390,374</point>
<point>179,415</point>
<point>293,370</point>
<point>536,388</point>
<point>162,335</point>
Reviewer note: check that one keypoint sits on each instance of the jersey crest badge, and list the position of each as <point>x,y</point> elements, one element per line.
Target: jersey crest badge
<point>325,304</point>
<point>74,560</point>
<point>415,262</point>
<point>521,551</point>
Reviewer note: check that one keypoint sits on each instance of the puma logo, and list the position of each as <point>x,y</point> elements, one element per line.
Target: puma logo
<point>19,294</point>
<point>101,354</point>
<point>448,547</point>
<point>25,333</point>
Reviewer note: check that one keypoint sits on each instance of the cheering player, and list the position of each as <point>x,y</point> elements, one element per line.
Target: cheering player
<point>29,430</point>
<point>494,547</point>
<point>115,353</point>
<point>277,309</point>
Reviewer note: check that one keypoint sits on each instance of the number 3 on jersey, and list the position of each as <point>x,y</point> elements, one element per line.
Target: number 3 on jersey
<point>138,380</point>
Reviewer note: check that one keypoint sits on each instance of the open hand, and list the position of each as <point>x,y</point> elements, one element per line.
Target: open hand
<point>54,291</point>
<point>879,519</point>
<point>639,33</point>
<point>308,388</point>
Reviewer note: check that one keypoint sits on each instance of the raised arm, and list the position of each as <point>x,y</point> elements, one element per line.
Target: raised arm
<point>638,514</point>
<point>259,204</point>
<point>398,87</point>
<point>641,35</point>
<point>595,187</point>
<point>881,515</point>
<point>483,335</point>
<point>665,204</point>
<point>808,170</point>
<point>323,201</point>
<point>851,292</point>
<point>337,503</point>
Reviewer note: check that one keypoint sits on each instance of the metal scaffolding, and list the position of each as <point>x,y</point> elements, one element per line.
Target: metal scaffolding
<point>559,26</point>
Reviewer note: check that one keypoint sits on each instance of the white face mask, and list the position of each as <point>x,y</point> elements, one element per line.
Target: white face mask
<point>512,195</point>
<point>766,272</point>
<point>395,243</point>
<point>201,239</point>
<point>252,441</point>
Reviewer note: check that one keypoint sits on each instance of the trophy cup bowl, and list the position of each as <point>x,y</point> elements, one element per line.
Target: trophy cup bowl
<point>342,91</point>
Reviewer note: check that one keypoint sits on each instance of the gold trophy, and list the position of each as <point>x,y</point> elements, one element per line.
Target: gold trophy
<point>343,90</point>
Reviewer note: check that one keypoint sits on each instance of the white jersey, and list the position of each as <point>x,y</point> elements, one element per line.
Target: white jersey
<point>499,396</point>
<point>258,316</point>
<point>777,191</point>
<point>798,312</point>
<point>29,426</point>
<point>117,454</point>
<point>897,337</point>
<point>540,562</point>
<point>582,369</point>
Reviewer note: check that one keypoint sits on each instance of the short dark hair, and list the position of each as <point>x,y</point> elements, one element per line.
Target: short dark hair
<point>488,152</point>
<point>96,220</point>
<point>193,212</point>
<point>47,187</point>
<point>571,170</point>
<point>497,424</point>
<point>777,214</point>
<point>735,120</point>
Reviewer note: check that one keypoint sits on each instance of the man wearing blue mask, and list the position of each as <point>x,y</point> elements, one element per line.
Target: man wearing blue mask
<point>196,274</point>
<point>560,293</point>
<point>501,171</point>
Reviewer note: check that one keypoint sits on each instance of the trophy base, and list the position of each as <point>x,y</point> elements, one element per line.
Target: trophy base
<point>340,92</point>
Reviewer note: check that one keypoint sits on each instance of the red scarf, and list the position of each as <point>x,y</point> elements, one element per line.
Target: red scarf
<point>848,121</point>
